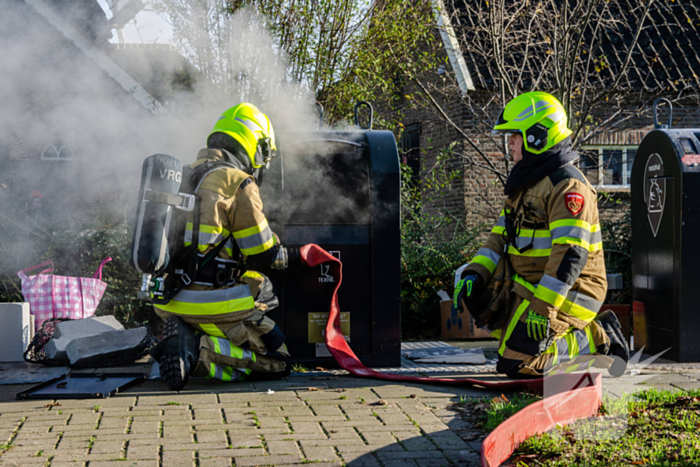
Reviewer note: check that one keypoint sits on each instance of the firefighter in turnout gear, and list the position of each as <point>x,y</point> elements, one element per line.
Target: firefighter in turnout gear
<point>216,326</point>
<point>548,234</point>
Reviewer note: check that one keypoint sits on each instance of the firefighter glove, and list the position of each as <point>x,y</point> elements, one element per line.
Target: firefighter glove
<point>466,289</point>
<point>285,258</point>
<point>294,258</point>
<point>281,259</point>
<point>537,326</point>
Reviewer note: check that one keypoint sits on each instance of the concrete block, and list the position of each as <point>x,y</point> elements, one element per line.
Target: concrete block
<point>55,349</point>
<point>92,326</point>
<point>95,349</point>
<point>16,331</point>
<point>66,331</point>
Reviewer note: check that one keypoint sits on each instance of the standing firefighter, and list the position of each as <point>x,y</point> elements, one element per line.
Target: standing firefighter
<point>216,326</point>
<point>545,254</point>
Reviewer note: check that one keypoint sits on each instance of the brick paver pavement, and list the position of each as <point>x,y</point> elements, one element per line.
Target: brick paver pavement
<point>321,420</point>
<point>305,419</point>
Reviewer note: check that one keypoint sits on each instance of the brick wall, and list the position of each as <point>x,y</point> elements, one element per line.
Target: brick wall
<point>476,197</point>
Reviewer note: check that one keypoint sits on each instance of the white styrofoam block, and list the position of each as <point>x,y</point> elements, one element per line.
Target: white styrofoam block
<point>16,331</point>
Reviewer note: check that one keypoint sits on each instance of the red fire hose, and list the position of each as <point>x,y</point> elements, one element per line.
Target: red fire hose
<point>313,255</point>
<point>577,395</point>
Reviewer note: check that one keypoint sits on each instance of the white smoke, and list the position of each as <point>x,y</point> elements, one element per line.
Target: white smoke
<point>54,93</point>
<point>59,87</point>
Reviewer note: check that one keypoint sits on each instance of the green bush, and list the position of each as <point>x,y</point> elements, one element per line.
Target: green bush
<point>433,245</point>
<point>617,246</point>
<point>428,264</point>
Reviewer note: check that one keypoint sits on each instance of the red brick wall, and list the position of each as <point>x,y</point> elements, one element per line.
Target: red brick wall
<point>476,196</point>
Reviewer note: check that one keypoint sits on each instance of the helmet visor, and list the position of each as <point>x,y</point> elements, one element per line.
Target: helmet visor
<point>506,132</point>
<point>500,122</point>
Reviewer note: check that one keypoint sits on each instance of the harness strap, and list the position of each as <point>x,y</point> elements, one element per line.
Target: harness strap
<point>185,269</point>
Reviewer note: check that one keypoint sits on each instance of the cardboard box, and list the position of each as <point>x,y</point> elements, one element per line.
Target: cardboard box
<point>459,326</point>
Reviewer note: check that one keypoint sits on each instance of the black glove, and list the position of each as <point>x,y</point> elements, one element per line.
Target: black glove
<point>467,289</point>
<point>293,258</point>
<point>285,258</point>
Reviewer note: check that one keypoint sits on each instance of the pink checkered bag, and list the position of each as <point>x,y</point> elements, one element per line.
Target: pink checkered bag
<point>52,296</point>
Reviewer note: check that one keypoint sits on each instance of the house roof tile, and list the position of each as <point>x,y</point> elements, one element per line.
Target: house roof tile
<point>666,56</point>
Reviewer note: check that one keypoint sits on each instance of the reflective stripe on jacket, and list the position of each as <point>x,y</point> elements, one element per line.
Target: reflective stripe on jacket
<point>229,206</point>
<point>558,248</point>
<point>230,211</point>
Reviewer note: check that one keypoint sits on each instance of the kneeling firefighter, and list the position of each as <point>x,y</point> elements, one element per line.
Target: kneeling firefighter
<point>539,280</point>
<point>215,300</point>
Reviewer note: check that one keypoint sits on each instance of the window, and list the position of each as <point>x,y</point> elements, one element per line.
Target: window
<point>57,152</point>
<point>607,166</point>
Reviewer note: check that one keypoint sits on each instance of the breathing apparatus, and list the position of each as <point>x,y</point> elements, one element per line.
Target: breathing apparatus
<point>159,199</point>
<point>168,198</point>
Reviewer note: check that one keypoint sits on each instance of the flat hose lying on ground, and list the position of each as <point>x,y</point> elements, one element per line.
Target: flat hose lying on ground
<point>313,255</point>
<point>575,395</point>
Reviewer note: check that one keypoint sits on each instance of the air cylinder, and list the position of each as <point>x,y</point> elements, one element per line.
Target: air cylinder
<point>150,253</point>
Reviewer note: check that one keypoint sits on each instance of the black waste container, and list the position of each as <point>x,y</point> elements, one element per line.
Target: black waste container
<point>666,243</point>
<point>339,190</point>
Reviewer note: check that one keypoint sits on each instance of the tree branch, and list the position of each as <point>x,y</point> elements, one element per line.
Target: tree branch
<point>460,131</point>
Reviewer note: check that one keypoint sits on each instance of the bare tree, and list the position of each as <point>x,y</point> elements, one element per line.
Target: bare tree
<point>310,40</point>
<point>317,36</point>
<point>587,53</point>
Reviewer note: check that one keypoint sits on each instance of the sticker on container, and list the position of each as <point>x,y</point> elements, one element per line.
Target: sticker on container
<point>317,326</point>
<point>325,276</point>
<point>322,351</point>
<point>654,191</point>
<point>691,159</point>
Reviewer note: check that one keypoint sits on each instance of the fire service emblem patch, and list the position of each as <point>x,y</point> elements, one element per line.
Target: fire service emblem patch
<point>574,202</point>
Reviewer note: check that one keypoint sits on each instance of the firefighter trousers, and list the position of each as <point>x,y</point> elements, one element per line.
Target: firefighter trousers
<point>520,356</point>
<point>234,343</point>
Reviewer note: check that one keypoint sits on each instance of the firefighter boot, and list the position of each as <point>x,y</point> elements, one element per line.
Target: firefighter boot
<point>618,349</point>
<point>179,354</point>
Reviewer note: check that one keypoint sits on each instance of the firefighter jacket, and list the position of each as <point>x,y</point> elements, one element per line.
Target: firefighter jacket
<point>230,212</point>
<point>557,252</point>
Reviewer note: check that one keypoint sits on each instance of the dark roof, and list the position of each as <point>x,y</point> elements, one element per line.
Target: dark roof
<point>87,16</point>
<point>666,57</point>
<point>159,68</point>
<point>43,62</point>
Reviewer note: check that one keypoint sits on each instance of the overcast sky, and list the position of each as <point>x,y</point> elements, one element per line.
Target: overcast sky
<point>147,27</point>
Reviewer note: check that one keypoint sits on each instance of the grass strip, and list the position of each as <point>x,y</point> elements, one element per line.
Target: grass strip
<point>658,428</point>
<point>486,413</point>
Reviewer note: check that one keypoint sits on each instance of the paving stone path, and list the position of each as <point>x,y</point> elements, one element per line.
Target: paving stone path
<point>319,419</point>
<point>324,420</point>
